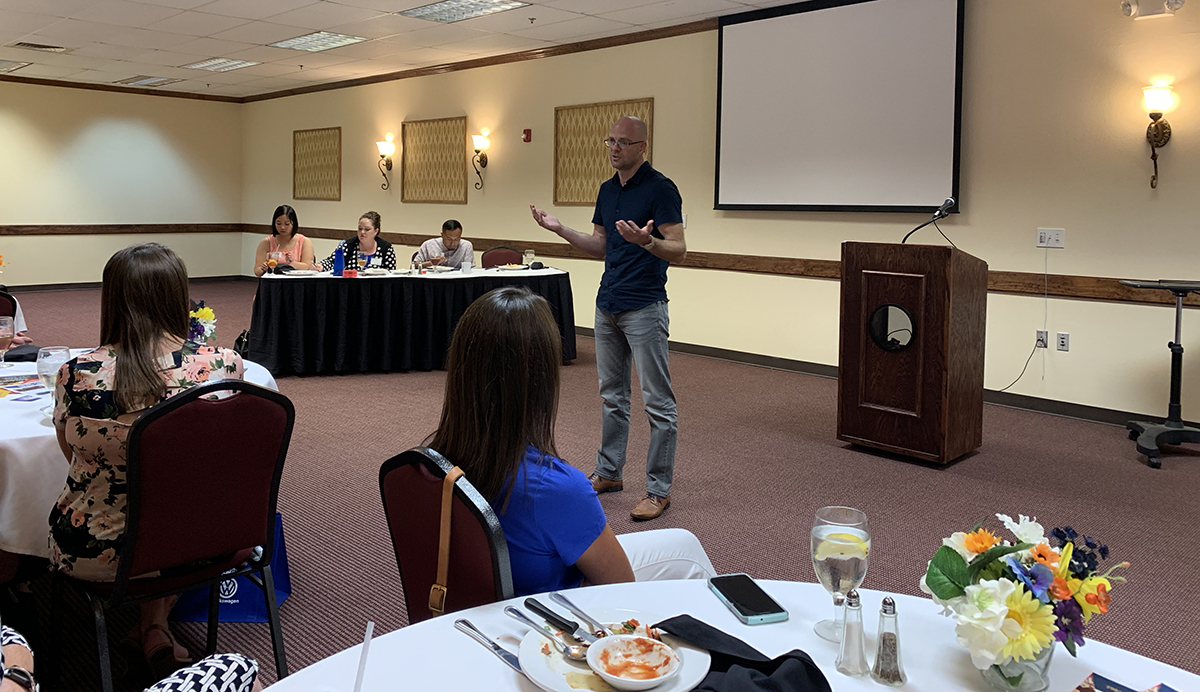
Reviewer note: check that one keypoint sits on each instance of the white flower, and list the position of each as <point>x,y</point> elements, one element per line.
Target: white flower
<point>958,541</point>
<point>947,606</point>
<point>979,617</point>
<point>1026,529</point>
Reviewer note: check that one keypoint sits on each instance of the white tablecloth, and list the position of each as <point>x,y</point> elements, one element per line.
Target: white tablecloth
<point>33,470</point>
<point>432,655</point>
<point>454,274</point>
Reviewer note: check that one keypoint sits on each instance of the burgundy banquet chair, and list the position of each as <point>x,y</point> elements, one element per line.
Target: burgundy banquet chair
<point>203,481</point>
<point>499,255</point>
<point>477,570</point>
<point>8,306</point>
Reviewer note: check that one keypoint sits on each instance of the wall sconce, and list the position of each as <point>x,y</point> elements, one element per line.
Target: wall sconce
<point>1150,9</point>
<point>1158,101</point>
<point>386,149</point>
<point>481,145</point>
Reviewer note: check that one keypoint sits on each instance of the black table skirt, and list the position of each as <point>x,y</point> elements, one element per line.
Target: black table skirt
<point>318,326</point>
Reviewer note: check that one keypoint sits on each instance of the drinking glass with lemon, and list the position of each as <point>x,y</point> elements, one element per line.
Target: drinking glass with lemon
<point>840,545</point>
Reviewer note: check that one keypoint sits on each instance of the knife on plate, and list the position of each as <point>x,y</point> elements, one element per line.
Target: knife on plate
<point>556,620</point>
<point>502,653</point>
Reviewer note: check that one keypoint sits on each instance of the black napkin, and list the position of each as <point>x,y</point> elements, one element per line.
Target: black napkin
<point>737,666</point>
<point>26,353</point>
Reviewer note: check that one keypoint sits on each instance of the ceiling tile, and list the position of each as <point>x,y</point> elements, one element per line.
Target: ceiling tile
<point>177,4</point>
<point>58,8</point>
<point>673,9</point>
<point>383,5</point>
<point>268,69</point>
<point>261,33</point>
<point>309,76</point>
<point>323,15</point>
<point>212,47</point>
<point>197,23</point>
<point>438,35</point>
<point>428,56</point>
<point>168,58</point>
<point>255,9</point>
<point>100,77</point>
<point>188,85</point>
<point>512,20</point>
<point>144,38</point>
<point>77,32</point>
<point>56,59</point>
<point>48,71</point>
<point>275,83</point>
<point>313,60</point>
<point>573,30</point>
<point>25,22</point>
<point>262,54</point>
<point>108,51</point>
<point>600,6</point>
<point>124,13</point>
<point>496,43</point>
<point>381,26</point>
<point>369,49</point>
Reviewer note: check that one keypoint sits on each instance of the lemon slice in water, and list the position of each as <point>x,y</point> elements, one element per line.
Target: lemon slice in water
<point>842,545</point>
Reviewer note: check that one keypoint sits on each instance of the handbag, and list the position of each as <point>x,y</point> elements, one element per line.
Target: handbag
<point>241,345</point>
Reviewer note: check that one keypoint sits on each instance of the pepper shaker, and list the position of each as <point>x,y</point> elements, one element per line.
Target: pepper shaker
<point>852,658</point>
<point>889,668</point>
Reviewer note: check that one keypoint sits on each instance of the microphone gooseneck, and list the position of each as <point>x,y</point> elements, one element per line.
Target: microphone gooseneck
<point>941,213</point>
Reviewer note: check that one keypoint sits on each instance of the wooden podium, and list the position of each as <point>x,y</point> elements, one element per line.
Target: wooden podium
<point>910,361</point>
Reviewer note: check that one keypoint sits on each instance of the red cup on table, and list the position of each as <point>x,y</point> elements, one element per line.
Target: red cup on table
<point>350,273</point>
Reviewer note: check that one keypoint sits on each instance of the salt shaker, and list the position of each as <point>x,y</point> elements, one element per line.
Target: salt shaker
<point>852,659</point>
<point>889,669</point>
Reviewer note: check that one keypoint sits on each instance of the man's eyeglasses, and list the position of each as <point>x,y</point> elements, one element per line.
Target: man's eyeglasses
<point>620,143</point>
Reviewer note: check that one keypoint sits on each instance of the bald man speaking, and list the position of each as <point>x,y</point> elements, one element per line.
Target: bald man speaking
<point>637,229</point>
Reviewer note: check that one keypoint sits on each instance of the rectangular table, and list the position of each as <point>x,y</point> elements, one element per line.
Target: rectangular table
<point>316,325</point>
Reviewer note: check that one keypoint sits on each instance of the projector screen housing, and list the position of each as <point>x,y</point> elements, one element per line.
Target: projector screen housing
<point>840,105</point>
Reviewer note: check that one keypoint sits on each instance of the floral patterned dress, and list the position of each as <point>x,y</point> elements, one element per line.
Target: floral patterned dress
<point>89,518</point>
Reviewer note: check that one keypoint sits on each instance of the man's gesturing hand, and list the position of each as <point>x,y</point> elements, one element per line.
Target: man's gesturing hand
<point>546,221</point>
<point>638,236</point>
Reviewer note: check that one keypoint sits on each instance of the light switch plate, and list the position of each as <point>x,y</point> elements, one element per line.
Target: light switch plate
<point>1051,237</point>
<point>1064,341</point>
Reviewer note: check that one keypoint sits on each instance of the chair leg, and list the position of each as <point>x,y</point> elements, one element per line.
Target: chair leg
<point>106,682</point>
<point>214,608</point>
<point>281,669</point>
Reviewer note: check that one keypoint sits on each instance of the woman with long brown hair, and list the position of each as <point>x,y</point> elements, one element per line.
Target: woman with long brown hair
<point>497,425</point>
<point>145,357</point>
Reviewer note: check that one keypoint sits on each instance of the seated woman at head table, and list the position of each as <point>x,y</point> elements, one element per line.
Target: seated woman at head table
<point>449,250</point>
<point>146,357</point>
<point>497,425</point>
<point>290,246</point>
<point>366,250</point>
<point>20,330</point>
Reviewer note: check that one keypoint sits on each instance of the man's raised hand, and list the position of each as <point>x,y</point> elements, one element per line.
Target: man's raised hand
<point>630,231</point>
<point>546,221</point>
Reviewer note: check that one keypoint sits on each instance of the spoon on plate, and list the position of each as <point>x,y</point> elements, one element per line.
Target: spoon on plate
<point>573,652</point>
<point>598,627</point>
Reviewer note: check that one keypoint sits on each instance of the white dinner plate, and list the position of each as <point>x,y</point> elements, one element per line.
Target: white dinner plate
<point>302,272</point>
<point>439,269</point>
<point>506,268</point>
<point>553,673</point>
<point>375,271</point>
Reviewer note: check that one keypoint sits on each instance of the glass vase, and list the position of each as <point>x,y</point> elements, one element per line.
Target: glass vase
<point>1022,676</point>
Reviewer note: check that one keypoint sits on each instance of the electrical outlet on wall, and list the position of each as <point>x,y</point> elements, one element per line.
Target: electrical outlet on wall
<point>1051,237</point>
<point>1064,341</point>
<point>1043,338</point>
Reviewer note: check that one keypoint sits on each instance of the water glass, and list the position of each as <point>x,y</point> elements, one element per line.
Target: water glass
<point>840,545</point>
<point>7,334</point>
<point>49,360</point>
<point>529,257</point>
<point>466,266</point>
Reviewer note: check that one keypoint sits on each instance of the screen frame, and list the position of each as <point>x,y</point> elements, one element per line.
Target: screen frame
<point>810,6</point>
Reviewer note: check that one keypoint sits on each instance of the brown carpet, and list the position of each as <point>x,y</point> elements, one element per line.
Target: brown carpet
<point>757,456</point>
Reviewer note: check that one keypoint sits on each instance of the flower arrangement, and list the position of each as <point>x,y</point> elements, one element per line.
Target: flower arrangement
<point>1012,600</point>
<point>202,323</point>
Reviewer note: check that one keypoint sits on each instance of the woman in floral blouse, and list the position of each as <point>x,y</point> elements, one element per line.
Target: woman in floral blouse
<point>145,358</point>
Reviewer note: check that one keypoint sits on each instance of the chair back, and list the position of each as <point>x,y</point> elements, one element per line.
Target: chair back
<point>203,477</point>
<point>499,255</point>
<point>8,305</point>
<point>411,486</point>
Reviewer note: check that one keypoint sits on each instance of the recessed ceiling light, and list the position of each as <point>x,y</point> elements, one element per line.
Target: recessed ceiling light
<point>143,80</point>
<point>457,10</point>
<point>12,65</point>
<point>219,64</point>
<point>321,40</point>
<point>39,47</point>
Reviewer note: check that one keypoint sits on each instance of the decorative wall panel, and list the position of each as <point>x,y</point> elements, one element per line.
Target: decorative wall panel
<point>433,165</point>
<point>580,160</point>
<point>317,164</point>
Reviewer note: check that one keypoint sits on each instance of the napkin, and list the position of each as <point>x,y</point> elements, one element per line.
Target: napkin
<point>26,353</point>
<point>737,666</point>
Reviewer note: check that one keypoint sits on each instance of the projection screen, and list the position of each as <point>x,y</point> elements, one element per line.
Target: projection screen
<point>840,105</point>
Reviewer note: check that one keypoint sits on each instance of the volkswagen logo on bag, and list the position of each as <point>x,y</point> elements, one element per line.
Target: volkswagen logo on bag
<point>229,587</point>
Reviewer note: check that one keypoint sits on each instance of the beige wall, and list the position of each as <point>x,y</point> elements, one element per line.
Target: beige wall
<point>70,156</point>
<point>1052,136</point>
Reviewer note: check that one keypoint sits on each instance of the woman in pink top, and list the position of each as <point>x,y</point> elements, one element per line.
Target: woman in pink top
<point>285,239</point>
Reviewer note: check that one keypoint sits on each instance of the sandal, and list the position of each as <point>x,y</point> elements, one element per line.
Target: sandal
<point>162,659</point>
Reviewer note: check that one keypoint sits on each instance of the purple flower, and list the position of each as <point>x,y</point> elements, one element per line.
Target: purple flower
<point>1069,618</point>
<point>1038,579</point>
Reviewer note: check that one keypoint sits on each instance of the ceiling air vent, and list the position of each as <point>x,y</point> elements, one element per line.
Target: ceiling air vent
<point>38,47</point>
<point>145,80</point>
<point>7,66</point>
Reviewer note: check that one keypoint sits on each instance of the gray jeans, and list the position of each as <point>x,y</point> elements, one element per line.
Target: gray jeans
<point>624,338</point>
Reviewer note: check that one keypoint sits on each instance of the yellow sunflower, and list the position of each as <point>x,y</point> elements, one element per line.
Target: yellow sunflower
<point>1029,626</point>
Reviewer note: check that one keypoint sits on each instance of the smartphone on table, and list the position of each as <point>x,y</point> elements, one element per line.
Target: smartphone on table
<point>746,599</point>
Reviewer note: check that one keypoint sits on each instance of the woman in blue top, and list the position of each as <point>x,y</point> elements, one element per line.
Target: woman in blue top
<point>497,425</point>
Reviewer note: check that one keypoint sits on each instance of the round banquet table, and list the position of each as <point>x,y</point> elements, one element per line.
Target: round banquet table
<point>33,470</point>
<point>433,655</point>
<point>323,324</point>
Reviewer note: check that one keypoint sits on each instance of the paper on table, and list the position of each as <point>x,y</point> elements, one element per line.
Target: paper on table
<point>362,661</point>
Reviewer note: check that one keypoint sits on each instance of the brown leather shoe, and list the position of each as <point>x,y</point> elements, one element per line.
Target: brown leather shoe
<point>651,507</point>
<point>604,485</point>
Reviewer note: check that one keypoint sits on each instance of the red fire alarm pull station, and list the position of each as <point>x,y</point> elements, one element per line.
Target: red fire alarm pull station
<point>527,135</point>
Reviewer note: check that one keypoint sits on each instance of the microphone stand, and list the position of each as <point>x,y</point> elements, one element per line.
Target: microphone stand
<point>936,216</point>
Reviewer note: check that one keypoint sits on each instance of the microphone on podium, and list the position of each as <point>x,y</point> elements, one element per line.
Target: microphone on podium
<point>941,213</point>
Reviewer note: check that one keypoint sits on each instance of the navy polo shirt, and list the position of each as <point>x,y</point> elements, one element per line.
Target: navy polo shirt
<point>633,277</point>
